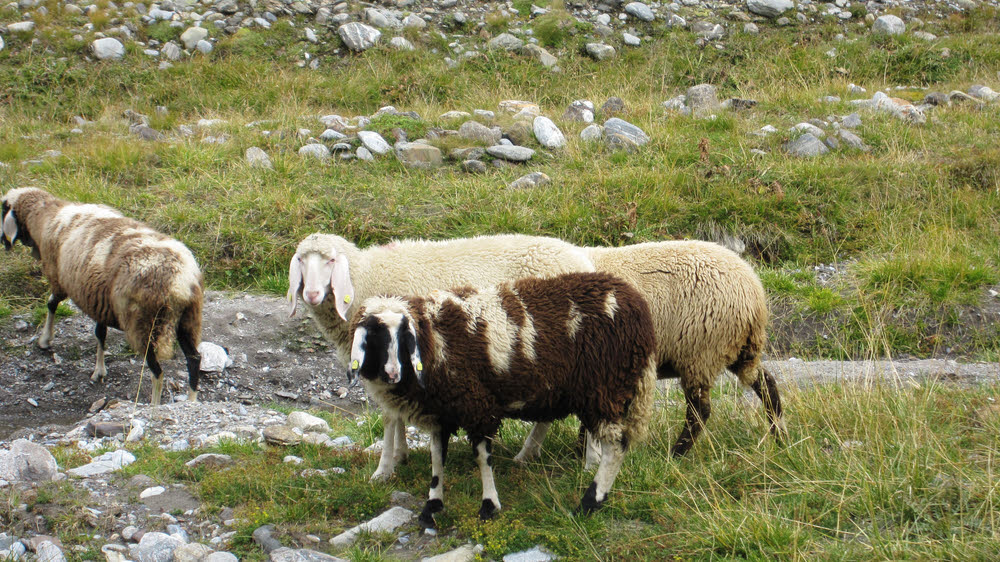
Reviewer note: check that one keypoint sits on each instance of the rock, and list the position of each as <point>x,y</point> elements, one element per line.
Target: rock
<point>154,547</point>
<point>547,59</point>
<point>505,41</point>
<point>808,128</point>
<point>47,551</point>
<point>108,462</point>
<point>302,555</point>
<point>464,553</point>
<point>136,432</point>
<point>150,492</point>
<point>210,460</point>
<point>418,155</point>
<point>621,133</point>
<point>193,552</point>
<point>805,146</point>
<point>262,536</point>
<point>414,21</point>
<point>613,106</point>
<point>631,40</point>
<point>281,435</point>
<point>21,27</point>
<point>476,131</point>
<point>511,153</point>
<point>924,36</point>
<point>600,51</point>
<point>374,142</point>
<point>936,98</point>
<point>358,36</point>
<point>401,44</point>
<point>214,358</point>
<point>257,158</point>
<point>702,99</point>
<point>591,133</point>
<point>520,107</point>
<point>751,28</point>
<point>547,133</point>
<point>171,51</point>
<point>315,150</point>
<point>769,8</point>
<point>192,35</point>
<point>537,554</point>
<point>221,557</point>
<point>534,179</point>
<point>889,25</point>
<point>1,48</point>
<point>35,542</point>
<point>984,93</point>
<point>108,48</point>
<point>172,499</point>
<point>27,461</point>
<point>580,110</point>
<point>639,11</point>
<point>852,140</point>
<point>709,31</point>
<point>104,429</point>
<point>14,551</point>
<point>851,121</point>
<point>331,134</point>
<point>473,167</point>
<point>307,422</point>
<point>387,522</point>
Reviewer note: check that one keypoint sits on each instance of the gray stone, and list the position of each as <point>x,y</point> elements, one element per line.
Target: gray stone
<point>925,36</point>
<point>47,551</point>
<point>473,167</point>
<point>155,547</point>
<point>464,553</point>
<point>547,133</point>
<point>547,59</point>
<point>108,48</point>
<point>401,44</point>
<point>21,27</point>
<point>708,31</point>
<point>832,142</point>
<point>301,555</point>
<point>104,429</point>
<point>852,121</point>
<point>751,28</point>
<point>193,552</point>
<point>331,134</point>
<point>984,93</point>
<point>14,551</point>
<point>221,557</point>
<point>889,25</point>
<point>173,499</point>
<point>307,422</point>
<point>852,140</point>
<point>505,41</point>
<point>282,435</point>
<point>808,128</point>
<point>1,43</point>
<point>511,153</point>
<point>613,106</point>
<point>534,179</point>
<point>769,8</point>
<point>382,19</point>
<point>203,47</point>
<point>805,146</point>
<point>262,536</point>
<point>640,11</point>
<point>622,133</point>
<point>591,133</point>
<point>418,155</point>
<point>374,142</point>
<point>257,158</point>
<point>936,98</point>
<point>315,150</point>
<point>414,21</point>
<point>27,461</point>
<point>702,99</point>
<point>476,131</point>
<point>214,357</point>
<point>580,110</point>
<point>192,35</point>
<point>171,50</point>
<point>108,462</point>
<point>363,154</point>
<point>210,460</point>
<point>388,521</point>
<point>358,36</point>
<point>600,51</point>
<point>537,554</point>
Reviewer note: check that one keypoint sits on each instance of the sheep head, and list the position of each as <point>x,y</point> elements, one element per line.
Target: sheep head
<point>385,343</point>
<point>13,211</point>
<point>318,270</point>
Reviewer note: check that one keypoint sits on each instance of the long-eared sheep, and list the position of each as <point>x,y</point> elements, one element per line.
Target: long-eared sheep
<point>332,274</point>
<point>533,349</point>
<point>118,271</point>
<point>709,314</point>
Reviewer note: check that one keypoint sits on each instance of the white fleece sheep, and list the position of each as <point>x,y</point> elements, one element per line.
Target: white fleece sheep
<point>332,274</point>
<point>119,271</point>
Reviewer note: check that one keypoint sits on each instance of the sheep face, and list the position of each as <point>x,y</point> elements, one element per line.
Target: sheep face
<point>13,228</point>
<point>314,276</point>
<point>385,348</point>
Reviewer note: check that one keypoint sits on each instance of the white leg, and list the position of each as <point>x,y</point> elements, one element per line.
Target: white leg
<point>386,466</point>
<point>435,498</point>
<point>400,449</point>
<point>45,339</point>
<point>533,444</point>
<point>612,455</point>
<point>592,453</point>
<point>101,331</point>
<point>491,500</point>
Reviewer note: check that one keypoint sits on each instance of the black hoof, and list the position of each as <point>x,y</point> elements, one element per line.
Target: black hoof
<point>426,518</point>
<point>589,503</point>
<point>488,510</point>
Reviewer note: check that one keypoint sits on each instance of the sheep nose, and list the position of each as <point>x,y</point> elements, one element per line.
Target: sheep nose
<point>312,297</point>
<point>392,373</point>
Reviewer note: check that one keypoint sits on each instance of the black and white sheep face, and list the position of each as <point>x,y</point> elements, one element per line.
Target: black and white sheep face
<point>385,348</point>
<point>11,228</point>
<point>314,276</point>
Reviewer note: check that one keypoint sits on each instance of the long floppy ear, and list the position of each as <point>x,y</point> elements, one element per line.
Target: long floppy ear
<point>343,290</point>
<point>294,283</point>
<point>418,365</point>
<point>10,227</point>
<point>357,355</point>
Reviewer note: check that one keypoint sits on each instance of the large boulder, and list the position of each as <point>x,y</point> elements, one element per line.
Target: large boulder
<point>108,48</point>
<point>27,461</point>
<point>769,8</point>
<point>358,36</point>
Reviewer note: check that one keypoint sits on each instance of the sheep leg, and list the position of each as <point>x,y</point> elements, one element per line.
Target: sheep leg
<point>386,463</point>
<point>612,456</point>
<point>699,407</point>
<point>592,451</point>
<point>767,390</point>
<point>186,340</point>
<point>154,367</point>
<point>45,339</point>
<point>533,444</point>
<point>435,499</point>
<point>400,450</point>
<point>101,331</point>
<point>484,458</point>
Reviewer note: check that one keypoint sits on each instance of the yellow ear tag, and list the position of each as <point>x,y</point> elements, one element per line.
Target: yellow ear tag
<point>354,364</point>
<point>347,299</point>
<point>420,366</point>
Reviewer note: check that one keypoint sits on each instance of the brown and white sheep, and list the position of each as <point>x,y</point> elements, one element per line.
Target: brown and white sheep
<point>118,271</point>
<point>533,349</point>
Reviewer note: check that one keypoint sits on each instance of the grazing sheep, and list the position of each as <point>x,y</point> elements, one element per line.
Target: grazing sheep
<point>533,349</point>
<point>119,271</point>
<point>331,274</point>
<point>709,314</point>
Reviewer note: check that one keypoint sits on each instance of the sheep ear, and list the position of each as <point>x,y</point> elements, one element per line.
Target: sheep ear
<point>343,290</point>
<point>10,227</point>
<point>418,365</point>
<point>357,356</point>
<point>294,283</point>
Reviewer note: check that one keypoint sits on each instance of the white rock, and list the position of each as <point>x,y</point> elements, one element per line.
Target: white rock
<point>315,150</point>
<point>387,522</point>
<point>374,142</point>
<point>358,36</point>
<point>21,27</point>
<point>108,48</point>
<point>27,461</point>
<point>256,158</point>
<point>591,133</point>
<point>214,358</point>
<point>192,35</point>
<point>889,25</point>
<point>401,43</point>
<point>151,491</point>
<point>547,133</point>
<point>48,552</point>
<point>769,8</point>
<point>307,422</point>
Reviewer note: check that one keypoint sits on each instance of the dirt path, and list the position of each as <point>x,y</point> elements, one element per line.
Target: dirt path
<point>276,358</point>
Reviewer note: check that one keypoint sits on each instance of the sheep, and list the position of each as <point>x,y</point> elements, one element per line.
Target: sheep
<point>532,349</point>
<point>118,271</point>
<point>709,313</point>
<point>331,274</point>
